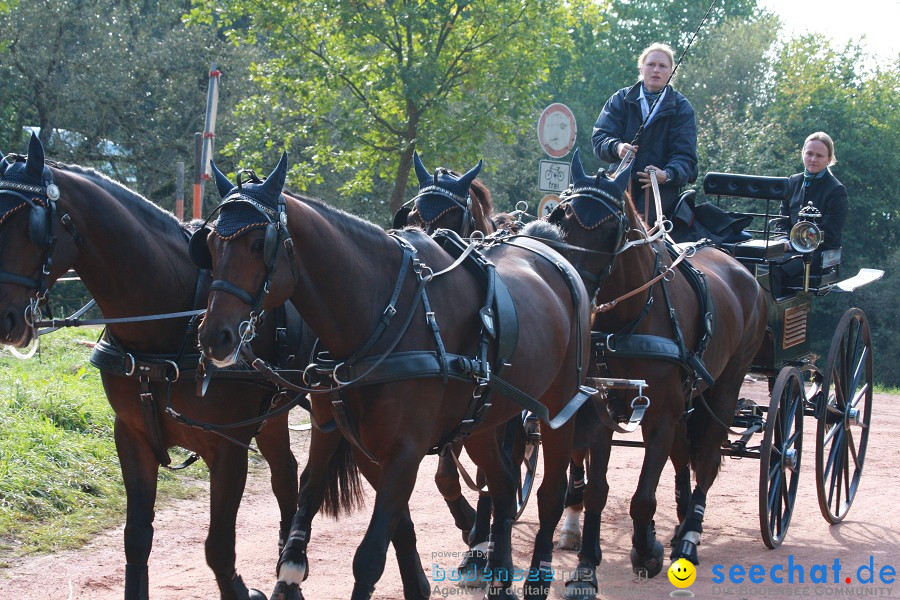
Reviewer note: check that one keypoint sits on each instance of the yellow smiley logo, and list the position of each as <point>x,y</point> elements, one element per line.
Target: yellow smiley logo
<point>682,573</point>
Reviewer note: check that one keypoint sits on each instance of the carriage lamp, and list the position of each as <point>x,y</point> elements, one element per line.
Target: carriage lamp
<point>806,235</point>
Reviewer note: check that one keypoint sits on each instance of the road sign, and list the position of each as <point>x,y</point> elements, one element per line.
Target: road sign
<point>546,205</point>
<point>553,176</point>
<point>556,130</point>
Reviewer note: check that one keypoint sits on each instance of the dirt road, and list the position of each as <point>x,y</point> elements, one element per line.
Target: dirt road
<point>731,545</point>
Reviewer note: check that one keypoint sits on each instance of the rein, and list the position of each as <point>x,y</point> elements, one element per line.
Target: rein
<point>666,271</point>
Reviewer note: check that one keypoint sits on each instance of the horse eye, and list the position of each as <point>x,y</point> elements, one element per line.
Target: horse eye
<point>257,245</point>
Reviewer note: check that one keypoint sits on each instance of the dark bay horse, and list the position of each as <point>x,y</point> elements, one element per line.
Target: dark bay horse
<point>133,258</point>
<point>408,342</point>
<point>462,204</point>
<point>658,333</point>
<point>448,200</point>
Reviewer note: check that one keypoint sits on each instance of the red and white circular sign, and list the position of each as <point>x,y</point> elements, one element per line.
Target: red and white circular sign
<point>547,204</point>
<point>556,130</point>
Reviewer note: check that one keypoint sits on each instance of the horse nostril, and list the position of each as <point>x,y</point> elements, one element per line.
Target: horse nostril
<point>9,321</point>
<point>226,338</point>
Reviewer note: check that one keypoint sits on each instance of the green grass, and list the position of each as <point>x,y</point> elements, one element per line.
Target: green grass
<point>886,389</point>
<point>60,481</point>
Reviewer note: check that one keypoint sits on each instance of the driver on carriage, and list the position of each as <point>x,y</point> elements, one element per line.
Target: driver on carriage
<point>816,186</point>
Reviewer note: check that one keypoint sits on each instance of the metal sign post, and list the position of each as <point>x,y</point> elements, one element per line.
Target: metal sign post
<point>556,134</point>
<point>209,133</point>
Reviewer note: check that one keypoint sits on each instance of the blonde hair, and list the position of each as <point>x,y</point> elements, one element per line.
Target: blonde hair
<point>657,47</point>
<point>821,136</point>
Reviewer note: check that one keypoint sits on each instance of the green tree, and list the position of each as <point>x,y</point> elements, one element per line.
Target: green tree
<point>120,86</point>
<point>366,84</point>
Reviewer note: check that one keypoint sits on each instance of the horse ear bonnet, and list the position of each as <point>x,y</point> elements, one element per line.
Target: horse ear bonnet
<point>586,190</point>
<point>251,204</point>
<point>457,185</point>
<point>30,172</point>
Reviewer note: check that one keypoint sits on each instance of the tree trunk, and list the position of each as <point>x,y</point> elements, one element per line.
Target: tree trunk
<point>398,193</point>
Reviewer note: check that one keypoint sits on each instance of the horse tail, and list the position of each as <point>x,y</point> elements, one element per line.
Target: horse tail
<point>344,490</point>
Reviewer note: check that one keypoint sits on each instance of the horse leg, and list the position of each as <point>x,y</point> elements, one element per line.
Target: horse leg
<point>584,585</point>
<point>395,485</point>
<point>446,478</point>
<point>570,533</point>
<point>227,478</point>
<point>140,470</point>
<point>497,467</point>
<point>680,457</point>
<point>647,552</point>
<point>329,473</point>
<point>274,442</point>
<point>706,438</point>
<point>551,496</point>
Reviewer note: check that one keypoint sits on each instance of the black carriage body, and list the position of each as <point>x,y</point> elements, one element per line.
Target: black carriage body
<point>787,340</point>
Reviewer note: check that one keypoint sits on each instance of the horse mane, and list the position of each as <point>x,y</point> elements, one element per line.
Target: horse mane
<point>149,211</point>
<point>632,213</point>
<point>544,230</point>
<point>346,222</point>
<point>483,195</point>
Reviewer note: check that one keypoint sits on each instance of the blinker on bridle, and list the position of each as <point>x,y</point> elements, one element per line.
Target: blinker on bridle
<point>42,200</point>
<point>616,208</point>
<point>276,231</point>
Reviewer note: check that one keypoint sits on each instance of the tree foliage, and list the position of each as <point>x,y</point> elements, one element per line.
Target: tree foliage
<point>116,85</point>
<point>367,83</point>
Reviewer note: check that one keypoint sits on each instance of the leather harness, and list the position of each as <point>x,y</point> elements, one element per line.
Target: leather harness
<point>499,323</point>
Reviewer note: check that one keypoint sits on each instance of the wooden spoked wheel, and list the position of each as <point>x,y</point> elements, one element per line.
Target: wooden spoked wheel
<point>779,465</point>
<point>844,412</point>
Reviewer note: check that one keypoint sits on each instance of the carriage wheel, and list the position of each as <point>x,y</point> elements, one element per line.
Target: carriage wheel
<point>779,464</point>
<point>528,467</point>
<point>844,413</point>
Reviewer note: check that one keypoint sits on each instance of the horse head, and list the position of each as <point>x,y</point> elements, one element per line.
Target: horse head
<point>442,195</point>
<point>243,242</point>
<point>28,195</point>
<point>592,213</point>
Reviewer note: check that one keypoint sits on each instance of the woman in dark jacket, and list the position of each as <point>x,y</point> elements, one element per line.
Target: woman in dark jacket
<point>817,185</point>
<point>668,143</point>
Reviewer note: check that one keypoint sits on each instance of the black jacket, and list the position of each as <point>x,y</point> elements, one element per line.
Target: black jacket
<point>828,195</point>
<point>669,141</point>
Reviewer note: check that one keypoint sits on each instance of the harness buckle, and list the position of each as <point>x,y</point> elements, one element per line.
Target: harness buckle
<point>130,372</point>
<point>610,347</point>
<point>176,374</point>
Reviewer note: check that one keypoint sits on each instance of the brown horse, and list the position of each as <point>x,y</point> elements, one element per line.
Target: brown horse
<point>462,204</point>
<point>422,350</point>
<point>133,258</point>
<point>448,200</point>
<point>691,342</point>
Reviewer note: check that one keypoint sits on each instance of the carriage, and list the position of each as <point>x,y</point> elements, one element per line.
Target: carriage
<point>837,393</point>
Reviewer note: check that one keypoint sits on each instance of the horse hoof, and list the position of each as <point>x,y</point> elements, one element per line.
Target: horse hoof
<point>647,564</point>
<point>471,569</point>
<point>287,591</point>
<point>496,592</point>
<point>685,549</point>
<point>569,539</point>
<point>583,586</point>
<point>255,594</point>
<point>535,590</point>
<point>580,591</point>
